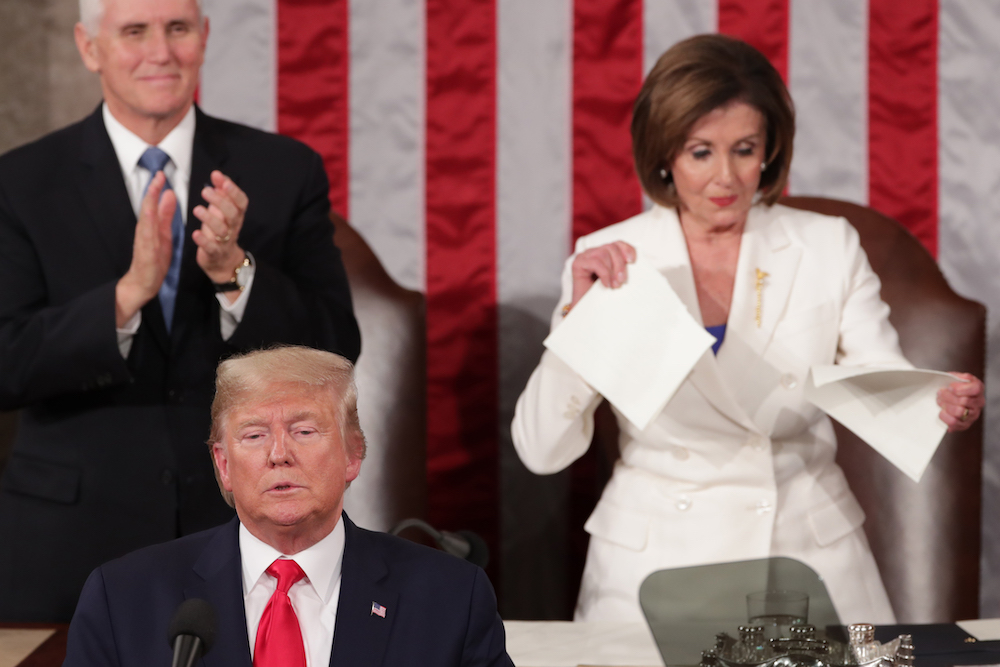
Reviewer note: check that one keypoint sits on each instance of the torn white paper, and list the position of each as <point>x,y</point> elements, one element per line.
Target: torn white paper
<point>893,410</point>
<point>635,344</point>
<point>983,629</point>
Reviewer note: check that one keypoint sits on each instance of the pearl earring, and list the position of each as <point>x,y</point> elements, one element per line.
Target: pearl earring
<point>663,173</point>
<point>763,166</point>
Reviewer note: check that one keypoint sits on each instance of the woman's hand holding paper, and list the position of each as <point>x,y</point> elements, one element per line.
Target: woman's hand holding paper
<point>961,402</point>
<point>605,263</point>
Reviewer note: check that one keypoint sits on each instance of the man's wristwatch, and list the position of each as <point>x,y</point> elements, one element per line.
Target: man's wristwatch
<point>239,279</point>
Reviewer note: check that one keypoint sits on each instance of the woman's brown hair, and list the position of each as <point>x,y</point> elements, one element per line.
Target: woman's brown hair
<point>697,76</point>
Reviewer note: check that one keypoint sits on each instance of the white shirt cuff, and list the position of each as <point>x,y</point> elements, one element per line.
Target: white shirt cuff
<point>127,332</point>
<point>231,314</point>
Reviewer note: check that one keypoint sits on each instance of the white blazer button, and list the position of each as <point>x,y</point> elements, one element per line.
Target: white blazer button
<point>763,506</point>
<point>683,503</point>
<point>680,453</point>
<point>788,381</point>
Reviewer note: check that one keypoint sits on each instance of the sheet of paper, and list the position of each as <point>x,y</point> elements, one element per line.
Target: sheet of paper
<point>634,344</point>
<point>983,629</point>
<point>566,644</point>
<point>895,411</point>
<point>16,644</point>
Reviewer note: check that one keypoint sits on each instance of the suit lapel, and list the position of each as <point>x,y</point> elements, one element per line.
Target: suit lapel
<point>219,580</point>
<point>767,256</point>
<point>103,190</point>
<point>670,255</point>
<point>360,636</point>
<point>207,154</point>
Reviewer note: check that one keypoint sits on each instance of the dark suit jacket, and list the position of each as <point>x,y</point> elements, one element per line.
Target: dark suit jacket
<point>440,610</point>
<point>110,453</point>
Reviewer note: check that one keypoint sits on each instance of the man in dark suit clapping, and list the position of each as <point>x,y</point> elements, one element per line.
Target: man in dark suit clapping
<point>137,249</point>
<point>293,582</point>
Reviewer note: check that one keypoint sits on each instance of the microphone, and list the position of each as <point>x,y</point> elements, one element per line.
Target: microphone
<point>191,631</point>
<point>465,544</point>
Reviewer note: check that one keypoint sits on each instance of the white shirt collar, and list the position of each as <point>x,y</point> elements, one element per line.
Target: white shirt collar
<point>178,144</point>
<point>322,562</point>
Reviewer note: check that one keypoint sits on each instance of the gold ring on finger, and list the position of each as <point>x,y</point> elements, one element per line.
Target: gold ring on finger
<point>223,239</point>
<point>965,415</point>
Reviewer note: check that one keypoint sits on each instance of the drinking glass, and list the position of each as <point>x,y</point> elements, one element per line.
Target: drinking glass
<point>777,611</point>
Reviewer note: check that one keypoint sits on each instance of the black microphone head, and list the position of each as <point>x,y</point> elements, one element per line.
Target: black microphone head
<point>479,553</point>
<point>195,617</point>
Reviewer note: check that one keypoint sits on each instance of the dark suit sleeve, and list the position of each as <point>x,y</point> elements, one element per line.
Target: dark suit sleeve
<point>484,642</point>
<point>49,349</point>
<point>91,638</point>
<point>303,297</point>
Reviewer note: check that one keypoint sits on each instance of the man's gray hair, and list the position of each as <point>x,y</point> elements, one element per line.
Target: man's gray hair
<point>91,12</point>
<point>244,378</point>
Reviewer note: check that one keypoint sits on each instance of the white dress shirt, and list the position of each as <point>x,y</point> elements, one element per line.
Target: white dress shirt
<point>178,145</point>
<point>314,597</point>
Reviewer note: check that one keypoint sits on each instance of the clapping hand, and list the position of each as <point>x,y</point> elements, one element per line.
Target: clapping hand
<point>606,263</point>
<point>152,250</point>
<point>219,252</point>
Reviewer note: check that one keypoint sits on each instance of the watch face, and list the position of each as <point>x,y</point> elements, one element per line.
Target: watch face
<point>242,275</point>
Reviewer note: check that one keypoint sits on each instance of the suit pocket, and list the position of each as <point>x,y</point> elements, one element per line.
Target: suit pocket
<point>42,479</point>
<point>622,526</point>
<point>835,520</point>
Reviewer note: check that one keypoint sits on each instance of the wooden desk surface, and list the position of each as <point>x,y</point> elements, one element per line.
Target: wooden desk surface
<point>51,652</point>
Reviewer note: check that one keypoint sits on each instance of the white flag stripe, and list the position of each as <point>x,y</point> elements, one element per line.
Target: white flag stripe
<point>533,152</point>
<point>533,228</point>
<point>239,77</point>
<point>828,74</point>
<point>969,205</point>
<point>666,22</point>
<point>387,109</point>
<point>534,168</point>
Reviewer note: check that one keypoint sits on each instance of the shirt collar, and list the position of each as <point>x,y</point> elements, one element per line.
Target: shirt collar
<point>322,562</point>
<point>178,144</point>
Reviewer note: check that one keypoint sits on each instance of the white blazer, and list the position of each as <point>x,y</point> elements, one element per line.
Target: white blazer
<point>738,465</point>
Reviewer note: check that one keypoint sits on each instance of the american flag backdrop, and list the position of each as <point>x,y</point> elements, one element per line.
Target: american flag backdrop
<point>471,141</point>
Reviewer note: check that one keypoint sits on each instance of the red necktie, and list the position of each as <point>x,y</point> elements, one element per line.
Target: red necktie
<point>279,639</point>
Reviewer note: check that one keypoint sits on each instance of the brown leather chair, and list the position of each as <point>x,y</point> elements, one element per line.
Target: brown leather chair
<point>390,376</point>
<point>925,536</point>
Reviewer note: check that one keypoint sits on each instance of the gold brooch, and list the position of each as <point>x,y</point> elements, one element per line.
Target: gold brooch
<point>758,287</point>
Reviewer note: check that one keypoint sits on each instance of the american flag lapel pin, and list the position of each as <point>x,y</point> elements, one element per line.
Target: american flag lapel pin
<point>377,610</point>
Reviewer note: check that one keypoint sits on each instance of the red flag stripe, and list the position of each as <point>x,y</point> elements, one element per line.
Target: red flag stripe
<point>462,423</point>
<point>761,23</point>
<point>902,114</point>
<point>312,84</point>
<point>607,74</point>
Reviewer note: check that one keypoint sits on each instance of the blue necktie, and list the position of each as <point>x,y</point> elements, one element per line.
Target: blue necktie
<point>155,160</point>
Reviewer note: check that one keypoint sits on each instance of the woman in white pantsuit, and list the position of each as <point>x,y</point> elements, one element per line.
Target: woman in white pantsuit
<point>738,465</point>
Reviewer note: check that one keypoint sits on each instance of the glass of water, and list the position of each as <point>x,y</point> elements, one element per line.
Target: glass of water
<point>777,611</point>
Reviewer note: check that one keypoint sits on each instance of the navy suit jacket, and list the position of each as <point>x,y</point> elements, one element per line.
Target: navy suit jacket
<point>110,453</point>
<point>440,610</point>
